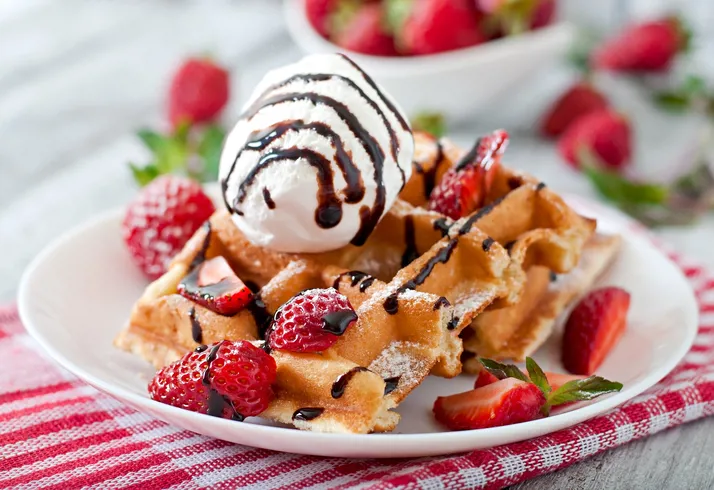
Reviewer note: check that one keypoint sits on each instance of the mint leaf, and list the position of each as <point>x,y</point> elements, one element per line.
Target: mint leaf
<point>672,101</point>
<point>210,150</point>
<point>144,175</point>
<point>171,157</point>
<point>503,371</point>
<point>153,140</point>
<point>537,376</point>
<point>622,191</point>
<point>582,389</point>
<point>430,122</point>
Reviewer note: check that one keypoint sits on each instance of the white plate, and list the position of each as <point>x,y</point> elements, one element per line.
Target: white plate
<point>77,294</point>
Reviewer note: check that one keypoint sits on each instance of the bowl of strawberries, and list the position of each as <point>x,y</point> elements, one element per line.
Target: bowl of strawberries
<point>445,56</point>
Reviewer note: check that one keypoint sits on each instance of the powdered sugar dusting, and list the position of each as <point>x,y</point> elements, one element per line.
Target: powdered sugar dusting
<point>399,359</point>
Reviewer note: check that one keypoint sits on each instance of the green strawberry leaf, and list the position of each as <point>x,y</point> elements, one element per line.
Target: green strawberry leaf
<point>672,101</point>
<point>537,376</point>
<point>210,150</point>
<point>582,389</point>
<point>691,90</point>
<point>503,371</point>
<point>616,188</point>
<point>153,140</point>
<point>171,157</point>
<point>433,123</point>
<point>144,175</point>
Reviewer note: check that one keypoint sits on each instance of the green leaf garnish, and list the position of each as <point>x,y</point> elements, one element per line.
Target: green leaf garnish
<point>144,175</point>
<point>503,371</point>
<point>430,122</point>
<point>210,150</point>
<point>153,140</point>
<point>537,376</point>
<point>581,390</point>
<point>622,191</point>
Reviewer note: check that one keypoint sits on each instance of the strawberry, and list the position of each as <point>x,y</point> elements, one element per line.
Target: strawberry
<point>595,325</point>
<point>318,13</point>
<point>516,16</point>
<point>464,187</point>
<point>213,284</point>
<point>507,401</point>
<point>161,219</point>
<point>434,26</point>
<point>604,134</point>
<point>312,321</point>
<point>484,378</point>
<point>198,92</point>
<point>363,33</point>
<point>543,14</point>
<point>229,379</point>
<point>649,46</point>
<point>580,99</point>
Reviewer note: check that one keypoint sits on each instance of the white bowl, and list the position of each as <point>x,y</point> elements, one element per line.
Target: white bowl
<point>456,83</point>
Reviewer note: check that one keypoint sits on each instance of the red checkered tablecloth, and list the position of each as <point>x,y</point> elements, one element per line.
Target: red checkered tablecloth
<point>57,432</point>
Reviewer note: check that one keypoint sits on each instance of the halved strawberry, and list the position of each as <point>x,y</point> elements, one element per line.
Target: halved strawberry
<point>484,378</point>
<point>213,284</point>
<point>464,187</point>
<point>593,328</point>
<point>507,401</point>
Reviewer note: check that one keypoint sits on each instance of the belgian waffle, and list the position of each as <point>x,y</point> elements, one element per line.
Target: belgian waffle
<point>416,284</point>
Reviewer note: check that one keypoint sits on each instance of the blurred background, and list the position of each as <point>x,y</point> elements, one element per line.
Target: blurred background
<point>78,78</point>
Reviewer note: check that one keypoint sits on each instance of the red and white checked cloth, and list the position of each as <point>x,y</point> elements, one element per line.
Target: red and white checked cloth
<point>57,432</point>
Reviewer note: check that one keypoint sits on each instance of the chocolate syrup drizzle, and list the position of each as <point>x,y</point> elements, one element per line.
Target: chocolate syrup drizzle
<point>337,322</point>
<point>553,276</point>
<point>429,176</point>
<point>391,304</point>
<point>338,387</point>
<point>469,157</point>
<point>442,226</point>
<point>200,256</point>
<point>442,301</point>
<point>307,413</point>
<point>453,323</point>
<point>391,384</point>
<point>486,244</point>
<point>410,252</point>
<point>196,330</point>
<point>329,211</point>
<point>268,198</point>
<point>540,186</point>
<point>355,278</point>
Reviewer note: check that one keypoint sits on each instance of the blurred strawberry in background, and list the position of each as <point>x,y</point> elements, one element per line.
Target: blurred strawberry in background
<point>421,27</point>
<point>363,30</point>
<point>579,100</point>
<point>198,92</point>
<point>604,135</point>
<point>649,46</point>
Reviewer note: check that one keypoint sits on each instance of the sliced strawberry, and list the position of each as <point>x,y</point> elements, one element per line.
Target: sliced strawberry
<point>213,284</point>
<point>484,378</point>
<point>593,328</point>
<point>580,99</point>
<point>464,187</point>
<point>505,402</point>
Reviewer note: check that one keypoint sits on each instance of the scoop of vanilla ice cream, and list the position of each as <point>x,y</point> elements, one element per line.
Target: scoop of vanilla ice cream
<point>318,156</point>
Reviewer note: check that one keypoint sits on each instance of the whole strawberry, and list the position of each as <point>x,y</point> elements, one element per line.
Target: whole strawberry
<point>318,13</point>
<point>580,99</point>
<point>198,92</point>
<point>464,187</point>
<point>229,379</point>
<point>364,33</point>
<point>604,135</point>
<point>650,46</point>
<point>434,26</point>
<point>312,321</point>
<point>161,219</point>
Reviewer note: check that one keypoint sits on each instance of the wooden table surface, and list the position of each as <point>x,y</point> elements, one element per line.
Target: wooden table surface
<point>78,77</point>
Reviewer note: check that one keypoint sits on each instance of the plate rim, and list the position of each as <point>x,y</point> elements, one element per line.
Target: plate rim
<point>458,440</point>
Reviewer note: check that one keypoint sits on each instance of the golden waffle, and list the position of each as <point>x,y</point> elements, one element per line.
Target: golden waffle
<point>517,331</point>
<point>416,284</point>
